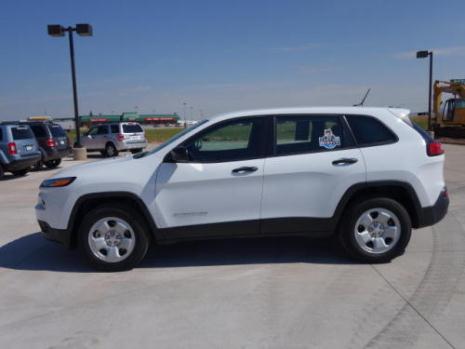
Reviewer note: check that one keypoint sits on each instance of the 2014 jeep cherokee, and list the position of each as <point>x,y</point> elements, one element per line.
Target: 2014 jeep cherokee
<point>366,174</point>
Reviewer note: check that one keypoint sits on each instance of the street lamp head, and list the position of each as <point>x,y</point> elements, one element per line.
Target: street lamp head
<point>422,54</point>
<point>84,29</point>
<point>55,30</point>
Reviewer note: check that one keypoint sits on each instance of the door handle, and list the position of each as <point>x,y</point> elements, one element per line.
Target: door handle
<point>245,169</point>
<point>344,162</point>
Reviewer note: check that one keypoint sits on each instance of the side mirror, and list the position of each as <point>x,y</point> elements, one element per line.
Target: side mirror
<point>178,154</point>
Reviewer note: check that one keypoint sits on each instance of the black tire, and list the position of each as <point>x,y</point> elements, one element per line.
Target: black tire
<point>138,226</point>
<point>51,164</point>
<point>2,172</point>
<point>37,166</point>
<point>20,173</point>
<point>347,227</point>
<point>110,150</point>
<point>135,151</point>
<point>103,153</point>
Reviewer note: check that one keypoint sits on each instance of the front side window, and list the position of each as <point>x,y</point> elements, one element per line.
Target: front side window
<point>231,141</point>
<point>370,131</point>
<point>307,133</point>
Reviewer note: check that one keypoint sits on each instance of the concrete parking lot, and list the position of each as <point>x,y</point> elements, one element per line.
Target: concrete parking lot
<point>268,293</point>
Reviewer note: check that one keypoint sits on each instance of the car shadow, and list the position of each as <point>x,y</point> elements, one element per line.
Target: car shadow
<point>33,252</point>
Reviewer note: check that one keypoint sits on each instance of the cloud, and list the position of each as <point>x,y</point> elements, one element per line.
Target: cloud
<point>457,51</point>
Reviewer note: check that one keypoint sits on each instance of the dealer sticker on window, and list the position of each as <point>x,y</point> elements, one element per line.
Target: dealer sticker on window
<point>329,140</point>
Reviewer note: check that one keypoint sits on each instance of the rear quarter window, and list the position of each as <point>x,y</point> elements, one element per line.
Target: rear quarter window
<point>21,132</point>
<point>370,131</point>
<point>132,128</point>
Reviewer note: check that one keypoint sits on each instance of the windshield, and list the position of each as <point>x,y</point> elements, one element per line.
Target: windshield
<point>171,140</point>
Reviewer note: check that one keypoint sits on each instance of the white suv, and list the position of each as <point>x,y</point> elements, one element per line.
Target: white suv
<point>366,174</point>
<point>109,139</point>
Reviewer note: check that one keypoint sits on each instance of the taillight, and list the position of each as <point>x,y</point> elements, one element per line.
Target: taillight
<point>119,137</point>
<point>51,143</point>
<point>12,148</point>
<point>434,148</point>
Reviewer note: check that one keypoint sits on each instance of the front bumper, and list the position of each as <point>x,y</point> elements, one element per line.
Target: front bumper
<point>433,214</point>
<point>57,235</point>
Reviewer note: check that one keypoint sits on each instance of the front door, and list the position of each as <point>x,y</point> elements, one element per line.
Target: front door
<point>218,191</point>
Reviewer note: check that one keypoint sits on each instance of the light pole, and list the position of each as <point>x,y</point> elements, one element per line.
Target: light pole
<point>57,30</point>
<point>424,54</point>
<point>184,112</point>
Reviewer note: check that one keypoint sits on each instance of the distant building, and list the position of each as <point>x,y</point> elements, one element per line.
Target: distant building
<point>145,119</point>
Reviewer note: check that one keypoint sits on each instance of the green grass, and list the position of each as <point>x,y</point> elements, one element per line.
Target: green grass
<point>153,135</point>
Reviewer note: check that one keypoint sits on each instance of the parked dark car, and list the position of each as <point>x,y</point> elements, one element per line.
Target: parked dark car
<point>18,149</point>
<point>53,142</point>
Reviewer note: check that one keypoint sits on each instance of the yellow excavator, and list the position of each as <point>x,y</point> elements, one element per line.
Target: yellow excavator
<point>449,115</point>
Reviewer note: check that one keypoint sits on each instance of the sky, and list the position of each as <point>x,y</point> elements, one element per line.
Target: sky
<point>219,56</point>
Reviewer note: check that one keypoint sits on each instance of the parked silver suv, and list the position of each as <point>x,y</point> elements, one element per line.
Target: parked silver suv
<point>18,149</point>
<point>112,138</point>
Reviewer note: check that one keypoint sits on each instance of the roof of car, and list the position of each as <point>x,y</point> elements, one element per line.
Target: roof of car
<point>312,110</point>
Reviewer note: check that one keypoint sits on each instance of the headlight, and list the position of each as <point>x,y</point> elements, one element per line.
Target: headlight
<point>57,182</point>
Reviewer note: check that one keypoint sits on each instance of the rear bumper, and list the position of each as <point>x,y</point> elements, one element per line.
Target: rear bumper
<point>58,235</point>
<point>433,214</point>
<point>18,165</point>
<point>128,145</point>
<point>53,154</point>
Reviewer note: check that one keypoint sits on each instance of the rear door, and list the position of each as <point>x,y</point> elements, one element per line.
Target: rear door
<point>102,137</point>
<point>24,139</point>
<point>59,135</point>
<point>133,133</point>
<point>219,190</point>
<point>314,162</point>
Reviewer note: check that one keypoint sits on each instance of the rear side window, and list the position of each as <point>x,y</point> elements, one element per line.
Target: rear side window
<point>370,131</point>
<point>102,130</point>
<point>21,132</point>
<point>39,131</point>
<point>57,131</point>
<point>303,134</point>
<point>132,128</point>
<point>114,128</point>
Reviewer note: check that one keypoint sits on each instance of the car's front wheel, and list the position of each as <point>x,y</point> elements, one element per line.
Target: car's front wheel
<point>113,238</point>
<point>375,230</point>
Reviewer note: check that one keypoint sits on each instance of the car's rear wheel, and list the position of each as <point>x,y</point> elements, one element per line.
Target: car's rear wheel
<point>375,230</point>
<point>20,173</point>
<point>52,163</point>
<point>110,150</point>
<point>113,238</point>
